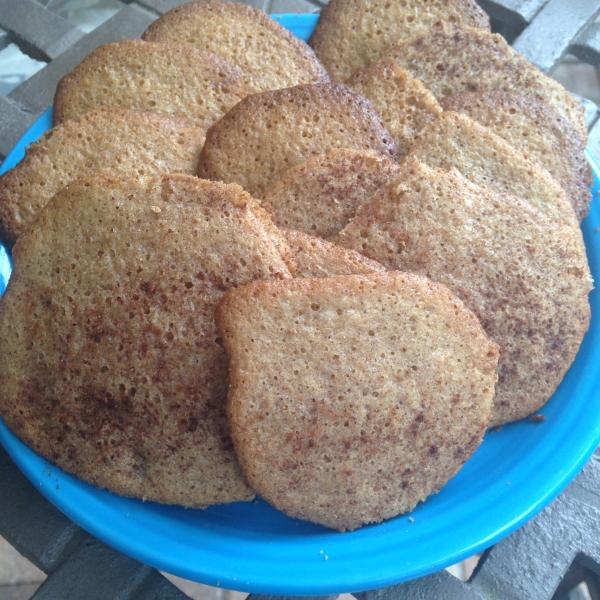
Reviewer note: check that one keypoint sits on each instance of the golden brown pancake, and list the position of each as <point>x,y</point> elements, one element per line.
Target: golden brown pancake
<point>353,398</point>
<point>112,367</point>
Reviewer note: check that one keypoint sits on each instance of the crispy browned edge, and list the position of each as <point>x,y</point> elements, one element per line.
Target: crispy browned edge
<point>300,242</point>
<point>542,117</point>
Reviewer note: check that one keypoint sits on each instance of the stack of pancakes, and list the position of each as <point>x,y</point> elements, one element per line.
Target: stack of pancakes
<point>244,265</point>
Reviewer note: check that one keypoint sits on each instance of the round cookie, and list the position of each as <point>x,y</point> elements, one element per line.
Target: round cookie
<point>321,195</point>
<point>537,131</point>
<point>353,398</point>
<point>175,80</point>
<point>449,59</point>
<point>270,56</point>
<point>112,366</point>
<point>404,103</point>
<point>115,142</point>
<point>523,274</point>
<point>266,134</point>
<point>353,34</point>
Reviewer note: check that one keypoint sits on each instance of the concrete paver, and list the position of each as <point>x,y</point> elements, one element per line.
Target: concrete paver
<point>18,592</point>
<point>16,569</point>
<point>199,591</point>
<point>19,579</point>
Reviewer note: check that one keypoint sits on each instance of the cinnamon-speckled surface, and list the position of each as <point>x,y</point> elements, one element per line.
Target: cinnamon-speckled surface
<point>322,194</point>
<point>455,140</point>
<point>443,59</point>
<point>524,275</point>
<point>112,365</point>
<point>353,398</point>
<point>176,80</point>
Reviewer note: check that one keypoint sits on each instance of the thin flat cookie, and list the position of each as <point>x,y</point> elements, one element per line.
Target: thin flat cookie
<point>321,195</point>
<point>266,134</point>
<point>175,80</point>
<point>404,103</point>
<point>314,257</point>
<point>112,366</point>
<point>353,398</point>
<point>114,142</point>
<point>524,275</point>
<point>353,34</point>
<point>449,59</point>
<point>455,140</point>
<point>270,56</point>
<point>537,131</point>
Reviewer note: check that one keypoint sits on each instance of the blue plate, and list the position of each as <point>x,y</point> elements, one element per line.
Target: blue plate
<point>252,547</point>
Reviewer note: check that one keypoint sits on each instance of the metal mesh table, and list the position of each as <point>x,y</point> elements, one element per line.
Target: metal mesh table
<point>545,559</point>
